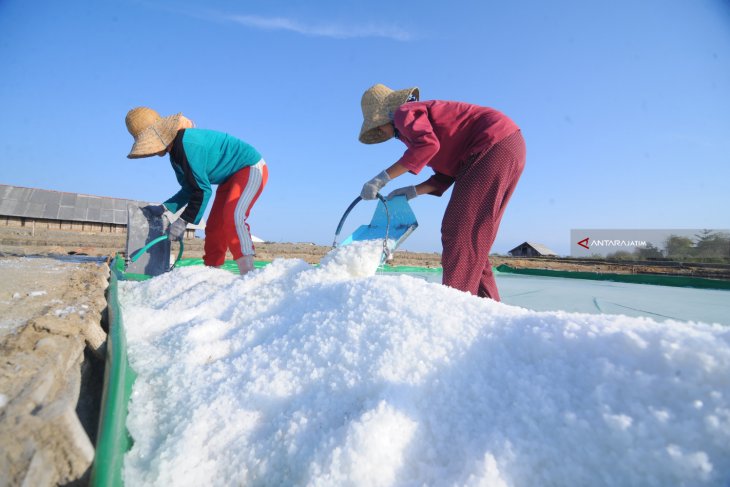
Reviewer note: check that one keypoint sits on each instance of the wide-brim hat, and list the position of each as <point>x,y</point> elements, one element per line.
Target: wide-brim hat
<point>378,104</point>
<point>152,133</point>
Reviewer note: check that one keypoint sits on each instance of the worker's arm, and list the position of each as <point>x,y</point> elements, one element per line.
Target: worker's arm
<point>396,170</point>
<point>435,185</point>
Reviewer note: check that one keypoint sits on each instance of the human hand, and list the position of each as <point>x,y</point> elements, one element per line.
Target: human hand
<point>371,188</point>
<point>408,191</point>
<point>176,231</point>
<point>154,210</point>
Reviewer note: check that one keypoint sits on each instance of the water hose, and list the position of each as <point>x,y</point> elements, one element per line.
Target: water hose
<point>386,250</point>
<point>154,242</point>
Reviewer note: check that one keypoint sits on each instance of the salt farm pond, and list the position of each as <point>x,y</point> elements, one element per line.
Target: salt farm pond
<point>332,375</point>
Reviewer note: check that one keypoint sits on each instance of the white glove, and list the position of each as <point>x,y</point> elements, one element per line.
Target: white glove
<point>408,191</point>
<point>176,231</point>
<point>371,188</point>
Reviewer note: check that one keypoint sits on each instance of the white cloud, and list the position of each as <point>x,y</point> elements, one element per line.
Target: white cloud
<point>334,30</point>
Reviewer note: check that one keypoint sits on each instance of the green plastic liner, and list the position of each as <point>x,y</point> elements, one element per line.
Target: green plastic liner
<point>230,265</point>
<point>408,268</point>
<point>655,279</point>
<point>113,440</point>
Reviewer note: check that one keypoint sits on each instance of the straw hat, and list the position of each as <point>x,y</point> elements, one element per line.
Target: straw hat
<point>152,133</point>
<point>378,104</point>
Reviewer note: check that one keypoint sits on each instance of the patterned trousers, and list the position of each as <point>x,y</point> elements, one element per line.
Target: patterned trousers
<point>226,228</point>
<point>470,224</point>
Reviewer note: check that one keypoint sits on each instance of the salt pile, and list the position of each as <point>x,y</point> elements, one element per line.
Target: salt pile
<point>295,375</point>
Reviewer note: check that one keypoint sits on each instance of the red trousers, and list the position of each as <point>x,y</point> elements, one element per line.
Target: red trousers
<point>226,228</point>
<point>470,224</point>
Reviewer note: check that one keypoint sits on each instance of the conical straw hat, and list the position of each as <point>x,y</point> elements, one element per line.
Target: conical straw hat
<point>378,104</point>
<point>152,133</point>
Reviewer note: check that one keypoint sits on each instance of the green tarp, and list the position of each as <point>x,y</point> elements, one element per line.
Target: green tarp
<point>113,440</point>
<point>656,279</point>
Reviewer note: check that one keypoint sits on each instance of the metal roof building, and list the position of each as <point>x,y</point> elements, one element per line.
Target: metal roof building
<point>45,204</point>
<point>531,249</point>
<point>20,206</point>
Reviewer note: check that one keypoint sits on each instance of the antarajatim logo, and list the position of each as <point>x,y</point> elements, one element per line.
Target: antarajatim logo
<point>584,243</point>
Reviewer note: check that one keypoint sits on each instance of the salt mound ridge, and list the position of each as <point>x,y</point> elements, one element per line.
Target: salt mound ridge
<point>294,375</point>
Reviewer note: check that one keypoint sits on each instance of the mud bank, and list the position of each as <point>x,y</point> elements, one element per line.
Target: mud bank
<point>51,373</point>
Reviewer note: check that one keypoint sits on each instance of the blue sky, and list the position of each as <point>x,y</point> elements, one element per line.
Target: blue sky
<point>624,105</point>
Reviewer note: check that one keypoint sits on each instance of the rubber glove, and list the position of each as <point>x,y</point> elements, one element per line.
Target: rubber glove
<point>176,231</point>
<point>371,188</point>
<point>408,191</point>
<point>154,210</point>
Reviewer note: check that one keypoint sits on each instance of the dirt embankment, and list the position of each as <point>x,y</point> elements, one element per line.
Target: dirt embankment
<point>51,372</point>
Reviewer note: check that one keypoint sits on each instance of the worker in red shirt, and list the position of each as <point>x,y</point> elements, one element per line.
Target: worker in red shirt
<point>478,149</point>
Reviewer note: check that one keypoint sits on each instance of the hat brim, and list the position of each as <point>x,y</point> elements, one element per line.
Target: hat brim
<point>155,138</point>
<point>369,133</point>
<point>382,114</point>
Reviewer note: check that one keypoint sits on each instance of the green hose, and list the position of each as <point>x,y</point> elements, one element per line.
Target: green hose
<point>159,239</point>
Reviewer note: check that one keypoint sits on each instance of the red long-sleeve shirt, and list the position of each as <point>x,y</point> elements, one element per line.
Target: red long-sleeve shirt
<point>443,134</point>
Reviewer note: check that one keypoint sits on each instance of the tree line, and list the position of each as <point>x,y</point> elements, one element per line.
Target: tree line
<point>708,245</point>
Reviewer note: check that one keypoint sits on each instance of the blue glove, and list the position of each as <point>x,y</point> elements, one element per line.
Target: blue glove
<point>371,188</point>
<point>176,231</point>
<point>154,210</point>
<point>409,192</point>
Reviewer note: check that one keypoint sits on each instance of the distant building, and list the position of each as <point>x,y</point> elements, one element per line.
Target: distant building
<point>531,249</point>
<point>56,210</point>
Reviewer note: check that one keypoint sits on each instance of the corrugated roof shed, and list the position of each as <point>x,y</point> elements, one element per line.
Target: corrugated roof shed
<point>56,205</point>
<point>540,248</point>
<point>544,250</point>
